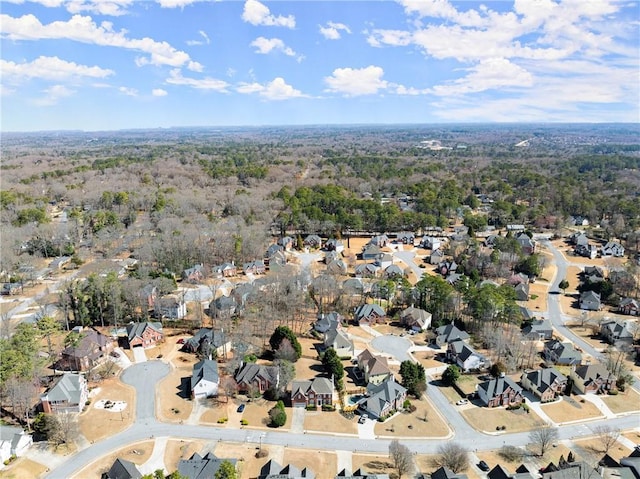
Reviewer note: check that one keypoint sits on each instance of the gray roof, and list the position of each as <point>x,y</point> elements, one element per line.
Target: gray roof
<point>273,470</point>
<point>360,474</point>
<point>215,337</point>
<point>366,310</point>
<point>198,467</point>
<point>123,469</point>
<point>337,339</point>
<point>205,369</point>
<point>446,473</point>
<point>563,350</point>
<point>137,329</point>
<point>450,332</point>
<point>538,326</point>
<point>617,328</point>
<point>317,385</point>
<point>462,350</point>
<point>497,386</point>
<point>250,371</point>
<point>542,379</point>
<point>382,394</point>
<point>68,388</point>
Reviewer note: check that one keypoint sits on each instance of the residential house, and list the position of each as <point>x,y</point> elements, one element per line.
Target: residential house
<point>445,473</point>
<point>616,333</point>
<point>384,398</point>
<point>337,267</point>
<point>60,262</point>
<point>612,248</point>
<point>578,220</point>
<point>578,238</point>
<point>202,467</point>
<point>90,350</point>
<point>277,261</point>
<point>522,291</point>
<point>371,252</point>
<point>205,379</point>
<point>254,267</point>
<point>499,472</point>
<point>171,306</point>
<point>590,301</point>
<point>313,241</point>
<point>447,267</point>
<point>359,474</point>
<point>330,256</point>
<point>334,245</point>
<point>572,470</point>
<point>593,274</point>
<point>337,339</point>
<point>588,251</point>
<point>374,368</point>
<point>223,307</point>
<point>538,330</point>
<point>592,378</point>
<point>144,335</point>
<point>195,274</point>
<point>11,288</point>
<point>528,245</point>
<point>148,296</point>
<point>546,383</point>
<point>273,470</point>
<point>314,393</point>
<point>122,469</point>
<point>380,240</point>
<point>257,377</point>
<point>502,391</point>
<point>518,278</point>
<point>436,257</point>
<point>464,356</point>
<point>406,237</point>
<point>366,270</point>
<point>557,352</point>
<point>14,441</point>
<point>515,228</point>
<point>272,250</point>
<point>629,306</point>
<point>369,314</point>
<point>325,322</point>
<point>384,261</point>
<point>415,319</point>
<point>68,394</point>
<point>353,286</point>
<point>430,242</point>
<point>207,341</point>
<point>448,333</point>
<point>287,242</point>
<point>393,271</point>
<point>226,270</point>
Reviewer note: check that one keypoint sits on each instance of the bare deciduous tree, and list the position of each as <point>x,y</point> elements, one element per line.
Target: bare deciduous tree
<point>401,457</point>
<point>607,436</point>
<point>453,456</point>
<point>543,437</point>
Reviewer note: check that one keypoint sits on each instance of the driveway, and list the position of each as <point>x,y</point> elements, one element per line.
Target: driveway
<point>139,356</point>
<point>396,346</point>
<point>144,377</point>
<point>297,420</point>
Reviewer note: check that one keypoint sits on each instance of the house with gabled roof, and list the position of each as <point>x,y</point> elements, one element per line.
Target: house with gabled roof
<point>14,441</point>
<point>90,350</point>
<point>558,352</point>
<point>593,273</point>
<point>406,237</point>
<point>546,383</point>
<point>415,318</point>
<point>148,296</point>
<point>616,333</point>
<point>448,333</point>
<point>384,398</point>
<point>374,368</point>
<point>313,241</point>
<point>528,245</point>
<point>145,335</point>
<point>333,244</point>
<point>202,467</point>
<point>122,469</point>
<point>254,267</point>
<point>171,306</point>
<point>501,391</point>
<point>273,470</point>
<point>205,379</point>
<point>359,474</point>
<point>194,274</point>
<point>538,329</point>
<point>393,271</point>
<point>629,306</point>
<point>590,301</point>
<point>592,378</point>
<point>612,248</point>
<point>430,242</point>
<point>257,377</point>
<point>369,314</point>
<point>223,307</point>
<point>446,473</point>
<point>467,358</point>
<point>337,267</point>
<point>371,252</point>
<point>287,242</point>
<point>380,240</point>
<point>522,291</point>
<point>68,394</point>
<point>328,321</point>
<point>436,257</point>
<point>226,270</point>
<point>366,270</point>
<point>315,393</point>
<point>354,286</point>
<point>208,339</point>
<point>337,339</point>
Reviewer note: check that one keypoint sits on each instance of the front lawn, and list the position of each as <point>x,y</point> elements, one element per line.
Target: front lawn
<point>488,419</point>
<point>570,409</point>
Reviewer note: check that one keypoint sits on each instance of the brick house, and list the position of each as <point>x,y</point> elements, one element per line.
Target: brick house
<point>546,384</point>
<point>502,391</point>
<point>315,393</point>
<point>144,335</point>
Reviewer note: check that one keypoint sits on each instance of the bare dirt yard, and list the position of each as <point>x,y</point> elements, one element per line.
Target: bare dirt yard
<point>180,449</point>
<point>487,419</point>
<point>96,424</point>
<point>623,402</point>
<point>570,409</point>
<point>174,402</point>
<point>23,467</point>
<point>138,453</point>
<point>414,424</point>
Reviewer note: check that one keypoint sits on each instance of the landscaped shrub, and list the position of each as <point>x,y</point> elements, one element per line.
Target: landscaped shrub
<point>328,407</point>
<point>613,392</point>
<point>244,422</point>
<point>223,420</point>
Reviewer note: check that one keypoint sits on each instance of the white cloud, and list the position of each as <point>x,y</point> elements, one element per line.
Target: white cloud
<point>99,7</point>
<point>207,83</point>
<point>128,91</point>
<point>489,74</point>
<point>205,39</point>
<point>159,92</point>
<point>175,3</point>
<point>257,13</point>
<point>53,95</point>
<point>83,29</point>
<point>267,45</point>
<point>50,68</point>
<point>395,38</point>
<point>332,30</point>
<point>5,90</point>
<point>277,89</point>
<point>355,82</point>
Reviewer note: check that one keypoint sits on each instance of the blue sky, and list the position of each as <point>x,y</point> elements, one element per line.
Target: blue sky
<point>114,64</point>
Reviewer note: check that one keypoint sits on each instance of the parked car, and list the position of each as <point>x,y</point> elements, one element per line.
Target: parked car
<point>362,419</point>
<point>241,408</point>
<point>483,466</point>
<point>180,341</point>
<point>462,402</point>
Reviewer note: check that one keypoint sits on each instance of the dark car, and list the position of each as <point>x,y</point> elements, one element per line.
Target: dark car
<point>483,466</point>
<point>241,408</point>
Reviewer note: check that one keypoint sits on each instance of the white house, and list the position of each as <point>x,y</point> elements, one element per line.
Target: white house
<point>205,379</point>
<point>613,248</point>
<point>13,441</point>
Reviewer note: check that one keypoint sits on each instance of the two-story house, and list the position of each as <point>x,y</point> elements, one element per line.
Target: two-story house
<point>314,393</point>
<point>592,378</point>
<point>465,357</point>
<point>502,391</point>
<point>369,314</point>
<point>546,384</point>
<point>68,394</point>
<point>145,335</point>
<point>259,378</point>
<point>374,368</point>
<point>384,398</point>
<point>205,379</point>
<point>91,348</point>
<point>558,352</point>
<point>616,333</point>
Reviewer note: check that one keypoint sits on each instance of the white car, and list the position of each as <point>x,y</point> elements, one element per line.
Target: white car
<point>462,402</point>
